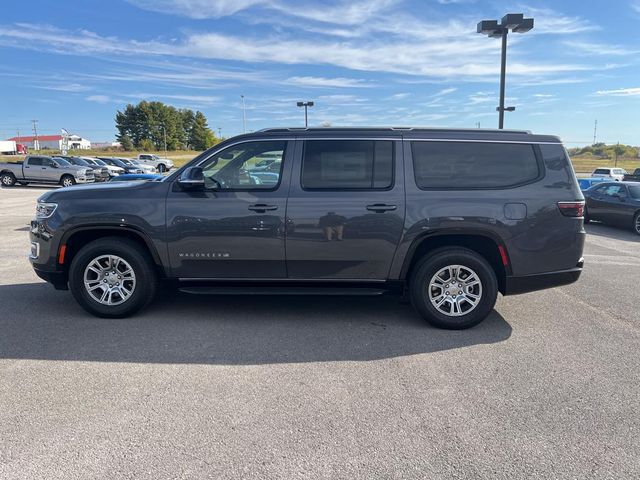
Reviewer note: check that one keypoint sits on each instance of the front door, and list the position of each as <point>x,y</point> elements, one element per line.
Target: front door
<point>235,228</point>
<point>346,209</point>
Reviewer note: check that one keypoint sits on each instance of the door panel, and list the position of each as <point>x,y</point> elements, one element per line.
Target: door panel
<point>344,233</point>
<point>235,228</point>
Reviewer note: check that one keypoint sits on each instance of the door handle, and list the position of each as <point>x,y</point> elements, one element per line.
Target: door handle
<point>261,207</point>
<point>381,207</point>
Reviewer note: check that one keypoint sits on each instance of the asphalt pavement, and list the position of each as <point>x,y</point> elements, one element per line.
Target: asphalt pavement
<point>311,387</point>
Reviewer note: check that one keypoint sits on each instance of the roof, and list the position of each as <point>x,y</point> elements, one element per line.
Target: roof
<point>44,138</point>
<point>410,133</point>
<point>41,138</point>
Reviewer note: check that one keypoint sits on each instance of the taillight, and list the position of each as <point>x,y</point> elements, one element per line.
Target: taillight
<point>571,209</point>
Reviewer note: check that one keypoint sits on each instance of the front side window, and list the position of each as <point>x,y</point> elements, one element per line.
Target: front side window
<point>469,165</point>
<point>347,164</point>
<point>615,191</point>
<point>236,167</point>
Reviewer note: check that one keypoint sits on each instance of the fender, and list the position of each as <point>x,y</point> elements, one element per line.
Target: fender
<point>127,228</point>
<point>424,236</point>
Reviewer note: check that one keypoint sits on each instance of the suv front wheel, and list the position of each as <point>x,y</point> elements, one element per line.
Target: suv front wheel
<point>453,288</point>
<point>112,277</point>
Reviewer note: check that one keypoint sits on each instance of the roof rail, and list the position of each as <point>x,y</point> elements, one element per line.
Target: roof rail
<point>403,129</point>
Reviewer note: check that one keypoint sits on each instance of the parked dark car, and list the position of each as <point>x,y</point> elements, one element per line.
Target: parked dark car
<point>448,218</point>
<point>128,177</point>
<point>632,177</point>
<point>101,174</point>
<point>615,203</point>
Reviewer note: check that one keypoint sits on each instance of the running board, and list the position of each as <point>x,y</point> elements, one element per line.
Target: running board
<point>246,290</point>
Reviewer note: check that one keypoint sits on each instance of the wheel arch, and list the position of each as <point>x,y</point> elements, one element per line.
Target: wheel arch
<point>486,244</point>
<point>75,239</point>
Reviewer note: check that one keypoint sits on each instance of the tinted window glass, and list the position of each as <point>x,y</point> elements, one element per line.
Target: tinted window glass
<point>347,164</point>
<point>634,191</point>
<point>601,171</point>
<point>473,165</point>
<point>35,161</point>
<point>236,168</point>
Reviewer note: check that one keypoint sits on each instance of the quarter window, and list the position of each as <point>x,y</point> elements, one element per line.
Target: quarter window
<point>468,165</point>
<point>239,168</point>
<point>347,164</point>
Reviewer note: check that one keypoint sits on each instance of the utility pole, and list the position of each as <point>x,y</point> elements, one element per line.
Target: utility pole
<point>244,116</point>
<point>477,124</point>
<point>617,148</point>
<point>595,130</point>
<point>164,134</point>
<point>219,133</point>
<point>36,143</point>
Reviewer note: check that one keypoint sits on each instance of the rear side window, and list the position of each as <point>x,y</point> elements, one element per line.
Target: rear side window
<point>34,161</point>
<point>347,164</point>
<point>465,165</point>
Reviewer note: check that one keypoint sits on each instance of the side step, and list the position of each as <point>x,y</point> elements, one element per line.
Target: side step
<point>247,290</point>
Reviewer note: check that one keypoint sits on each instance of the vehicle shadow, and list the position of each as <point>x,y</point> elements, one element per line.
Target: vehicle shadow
<point>617,233</point>
<point>41,323</point>
<point>32,186</point>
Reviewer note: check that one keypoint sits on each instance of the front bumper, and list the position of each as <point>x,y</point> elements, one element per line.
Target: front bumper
<point>542,281</point>
<point>57,279</point>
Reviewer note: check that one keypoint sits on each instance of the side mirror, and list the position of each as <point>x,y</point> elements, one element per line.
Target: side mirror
<point>192,179</point>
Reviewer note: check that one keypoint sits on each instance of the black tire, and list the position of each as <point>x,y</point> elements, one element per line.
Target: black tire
<point>67,181</point>
<point>427,268</point>
<point>7,179</point>
<point>162,168</point>
<point>141,264</point>
<point>636,223</point>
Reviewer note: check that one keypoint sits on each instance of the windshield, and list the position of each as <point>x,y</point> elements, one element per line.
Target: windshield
<point>602,171</point>
<point>80,161</point>
<point>634,191</point>
<point>62,161</point>
<point>97,161</point>
<point>127,162</point>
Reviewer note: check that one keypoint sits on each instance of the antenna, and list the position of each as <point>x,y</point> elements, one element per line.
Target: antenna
<point>595,131</point>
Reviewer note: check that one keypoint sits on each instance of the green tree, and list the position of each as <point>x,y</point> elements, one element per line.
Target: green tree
<point>201,137</point>
<point>126,142</point>
<point>157,124</point>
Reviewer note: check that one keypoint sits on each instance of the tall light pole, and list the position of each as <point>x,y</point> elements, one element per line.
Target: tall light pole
<point>516,23</point>
<point>305,105</point>
<point>244,116</point>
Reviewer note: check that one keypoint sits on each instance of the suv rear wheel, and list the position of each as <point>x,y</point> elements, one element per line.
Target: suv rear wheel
<point>453,288</point>
<point>636,223</point>
<point>112,277</point>
<point>162,168</point>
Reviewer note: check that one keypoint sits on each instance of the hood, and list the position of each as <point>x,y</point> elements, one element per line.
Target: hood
<point>105,190</point>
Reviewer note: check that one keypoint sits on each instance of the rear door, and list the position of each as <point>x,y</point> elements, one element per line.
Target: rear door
<point>345,212</point>
<point>32,168</point>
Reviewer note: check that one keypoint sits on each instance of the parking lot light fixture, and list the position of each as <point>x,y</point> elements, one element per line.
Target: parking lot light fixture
<point>516,23</point>
<point>305,105</point>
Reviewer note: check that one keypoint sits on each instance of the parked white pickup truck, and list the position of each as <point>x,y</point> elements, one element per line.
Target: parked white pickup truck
<point>160,163</point>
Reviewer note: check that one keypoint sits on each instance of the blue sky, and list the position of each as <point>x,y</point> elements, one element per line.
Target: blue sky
<point>72,64</point>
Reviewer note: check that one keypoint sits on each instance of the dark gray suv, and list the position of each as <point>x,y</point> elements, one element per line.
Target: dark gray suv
<point>447,218</point>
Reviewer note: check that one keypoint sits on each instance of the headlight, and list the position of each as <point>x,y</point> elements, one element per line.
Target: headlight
<point>45,210</point>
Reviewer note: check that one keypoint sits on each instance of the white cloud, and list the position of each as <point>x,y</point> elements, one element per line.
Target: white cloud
<point>197,9</point>
<point>199,99</point>
<point>98,98</point>
<point>445,91</point>
<point>339,82</point>
<point>590,48</point>
<point>620,92</point>
<point>65,87</point>
<point>548,21</point>
<point>635,5</point>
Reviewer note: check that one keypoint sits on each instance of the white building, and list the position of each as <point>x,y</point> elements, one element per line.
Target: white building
<point>52,142</point>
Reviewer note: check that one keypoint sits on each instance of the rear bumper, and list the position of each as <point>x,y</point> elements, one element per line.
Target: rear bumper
<point>542,281</point>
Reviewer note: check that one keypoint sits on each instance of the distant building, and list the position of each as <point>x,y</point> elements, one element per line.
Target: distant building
<point>53,142</point>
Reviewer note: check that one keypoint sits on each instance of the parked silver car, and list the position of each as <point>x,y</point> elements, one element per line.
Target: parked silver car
<point>43,169</point>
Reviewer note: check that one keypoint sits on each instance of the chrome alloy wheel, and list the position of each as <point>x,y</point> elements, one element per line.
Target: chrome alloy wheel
<point>7,180</point>
<point>637,224</point>
<point>67,182</point>
<point>109,280</point>
<point>455,290</point>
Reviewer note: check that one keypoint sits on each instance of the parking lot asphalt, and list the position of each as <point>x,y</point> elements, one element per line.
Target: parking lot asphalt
<point>311,387</point>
